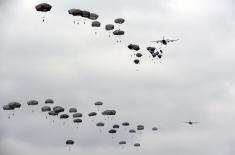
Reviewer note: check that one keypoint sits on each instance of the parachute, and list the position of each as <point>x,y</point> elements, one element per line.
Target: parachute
<point>154,128</point>
<point>100,124</point>
<point>77,115</point>
<point>137,145</point>
<point>109,27</point>
<point>98,103</point>
<point>95,24</point>
<point>125,123</point>
<point>49,101</point>
<point>43,7</point>
<point>115,126</point>
<point>58,109</point>
<point>122,142</point>
<point>46,109</point>
<point>93,16</point>
<point>91,114</point>
<point>78,121</point>
<point>132,131</point>
<point>69,143</point>
<point>32,103</point>
<point>109,112</point>
<point>119,20</point>
<point>118,32</point>
<point>64,116</point>
<point>72,110</point>
<point>136,61</point>
<point>139,55</point>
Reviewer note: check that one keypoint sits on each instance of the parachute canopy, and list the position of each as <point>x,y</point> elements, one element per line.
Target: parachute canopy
<point>109,112</point>
<point>122,142</point>
<point>115,126</point>
<point>125,123</point>
<point>32,102</point>
<point>72,110</point>
<point>95,24</point>
<point>43,7</point>
<point>49,101</point>
<point>92,114</point>
<point>119,21</point>
<point>136,61</point>
<point>77,115</point>
<point>118,32</point>
<point>75,12</point>
<point>112,131</point>
<point>140,127</point>
<point>58,109</point>
<point>100,124</point>
<point>46,108</point>
<point>109,27</point>
<point>98,103</point>
<point>69,142</point>
<point>77,120</point>
<point>93,16</point>
<point>64,116</point>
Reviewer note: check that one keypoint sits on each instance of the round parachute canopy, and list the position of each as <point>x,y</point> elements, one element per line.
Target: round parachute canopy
<point>43,7</point>
<point>46,108</point>
<point>95,24</point>
<point>93,16</point>
<point>139,55</point>
<point>118,32</point>
<point>100,124</point>
<point>14,105</point>
<point>154,128</point>
<point>77,115</point>
<point>136,61</point>
<point>77,120</point>
<point>136,47</point>
<point>130,46</point>
<point>64,116</point>
<point>7,107</point>
<point>72,110</point>
<point>75,12</point>
<point>98,103</point>
<point>69,142</point>
<point>49,101</point>
<point>132,131</point>
<point>85,14</point>
<point>58,109</point>
<point>112,131</point>
<point>52,113</point>
<point>92,114</point>
<point>152,49</point>
<point>109,112</point>
<point>122,142</point>
<point>154,55</point>
<point>32,102</point>
<point>109,27</point>
<point>115,126</point>
<point>119,21</point>
<point>125,123</point>
<point>137,145</point>
<point>140,127</point>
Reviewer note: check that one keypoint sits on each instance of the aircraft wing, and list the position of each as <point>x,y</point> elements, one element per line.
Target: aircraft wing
<point>157,41</point>
<point>168,40</point>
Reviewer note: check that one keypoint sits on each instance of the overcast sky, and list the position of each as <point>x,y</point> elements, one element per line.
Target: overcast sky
<point>70,64</point>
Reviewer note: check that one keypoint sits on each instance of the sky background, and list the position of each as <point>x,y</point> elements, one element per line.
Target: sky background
<point>70,64</point>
